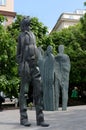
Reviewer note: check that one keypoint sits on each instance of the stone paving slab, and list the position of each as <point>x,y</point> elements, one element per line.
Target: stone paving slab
<point>72,119</point>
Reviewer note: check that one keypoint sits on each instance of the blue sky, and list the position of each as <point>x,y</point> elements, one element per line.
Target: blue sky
<point>47,11</point>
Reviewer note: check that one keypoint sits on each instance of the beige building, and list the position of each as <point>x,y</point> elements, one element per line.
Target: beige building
<point>68,19</point>
<point>7,10</point>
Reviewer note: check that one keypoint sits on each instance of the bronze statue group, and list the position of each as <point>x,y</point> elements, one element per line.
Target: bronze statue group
<point>46,72</point>
<point>55,75</point>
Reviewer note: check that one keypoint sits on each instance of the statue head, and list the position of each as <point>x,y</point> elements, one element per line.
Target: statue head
<point>61,49</point>
<point>25,23</point>
<point>49,49</point>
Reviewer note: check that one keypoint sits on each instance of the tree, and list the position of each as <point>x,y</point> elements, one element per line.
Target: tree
<point>8,71</point>
<point>85,3</point>
<point>39,30</point>
<point>75,47</point>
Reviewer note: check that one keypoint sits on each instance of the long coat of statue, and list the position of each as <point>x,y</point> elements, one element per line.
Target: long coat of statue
<point>48,80</point>
<point>62,70</point>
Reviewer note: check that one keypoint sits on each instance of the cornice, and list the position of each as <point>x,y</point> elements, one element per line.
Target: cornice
<point>8,13</point>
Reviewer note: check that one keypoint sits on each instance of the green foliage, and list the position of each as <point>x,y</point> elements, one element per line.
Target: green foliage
<point>2,19</point>
<point>74,41</point>
<point>83,23</point>
<point>14,29</point>
<point>8,67</point>
<point>85,3</point>
<point>39,30</point>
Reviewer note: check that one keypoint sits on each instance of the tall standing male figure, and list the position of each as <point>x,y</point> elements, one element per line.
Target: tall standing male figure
<point>62,76</point>
<point>27,56</point>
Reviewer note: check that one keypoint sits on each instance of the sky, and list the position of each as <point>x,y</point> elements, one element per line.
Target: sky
<point>47,11</point>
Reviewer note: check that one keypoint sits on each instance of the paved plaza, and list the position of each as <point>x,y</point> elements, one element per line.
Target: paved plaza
<point>72,119</point>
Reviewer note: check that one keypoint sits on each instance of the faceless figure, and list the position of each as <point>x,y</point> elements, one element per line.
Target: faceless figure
<point>62,69</point>
<point>48,80</point>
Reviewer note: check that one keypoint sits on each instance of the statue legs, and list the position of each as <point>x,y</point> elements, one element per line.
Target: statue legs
<point>57,93</point>
<point>38,97</point>
<point>35,78</point>
<point>38,101</point>
<point>64,96</point>
<point>64,89</point>
<point>23,103</point>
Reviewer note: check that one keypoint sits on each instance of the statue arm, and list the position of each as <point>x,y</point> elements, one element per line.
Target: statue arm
<point>69,64</point>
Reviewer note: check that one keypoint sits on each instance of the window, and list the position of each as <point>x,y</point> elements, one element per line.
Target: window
<point>2,2</point>
<point>71,17</point>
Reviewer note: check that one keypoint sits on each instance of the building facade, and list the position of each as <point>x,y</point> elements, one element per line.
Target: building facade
<point>68,19</point>
<point>7,10</point>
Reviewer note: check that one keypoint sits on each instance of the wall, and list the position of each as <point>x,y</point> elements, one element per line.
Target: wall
<point>9,6</point>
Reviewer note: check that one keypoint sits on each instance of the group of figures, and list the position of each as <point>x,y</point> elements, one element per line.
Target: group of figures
<point>55,76</point>
<point>45,72</point>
